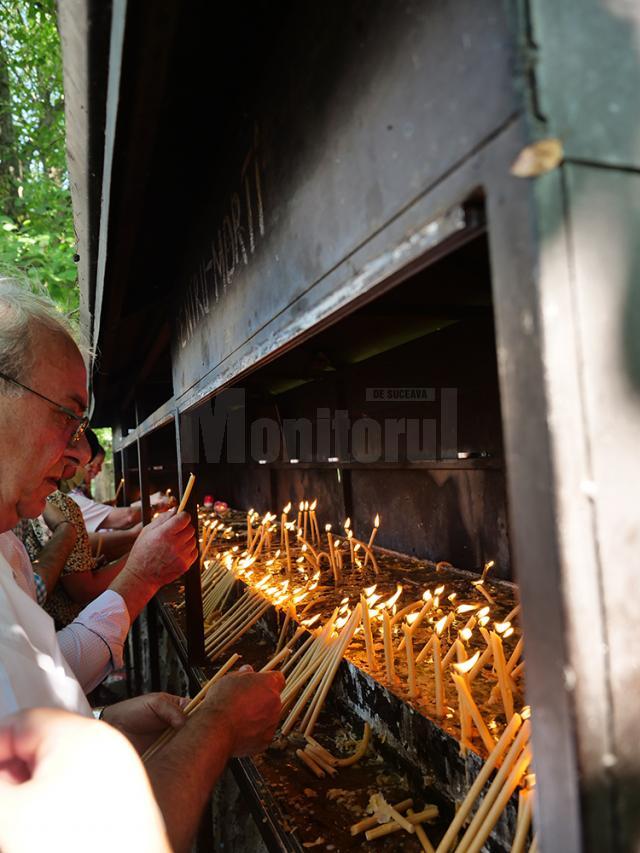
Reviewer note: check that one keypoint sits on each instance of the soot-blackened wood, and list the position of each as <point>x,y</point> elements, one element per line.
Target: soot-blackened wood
<point>402,93</point>
<point>193,590</point>
<point>143,468</point>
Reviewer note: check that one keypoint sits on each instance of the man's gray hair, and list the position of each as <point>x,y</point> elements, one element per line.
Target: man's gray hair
<point>21,313</point>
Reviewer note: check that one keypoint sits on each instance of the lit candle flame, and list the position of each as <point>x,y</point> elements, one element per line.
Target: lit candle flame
<point>411,618</point>
<point>347,524</point>
<point>426,595</point>
<point>306,506</point>
<point>376,521</point>
<point>391,601</point>
<point>465,634</point>
<point>466,666</point>
<point>440,625</point>
<point>452,597</point>
<point>484,611</point>
<point>508,633</point>
<point>369,590</point>
<point>314,504</point>
<point>526,712</point>
<point>501,627</point>
<point>311,621</point>
<point>301,506</point>
<point>487,567</point>
<point>287,508</point>
<point>327,528</point>
<point>438,590</point>
<point>465,608</point>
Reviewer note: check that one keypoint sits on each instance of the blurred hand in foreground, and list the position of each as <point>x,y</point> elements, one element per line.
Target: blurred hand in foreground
<point>51,760</point>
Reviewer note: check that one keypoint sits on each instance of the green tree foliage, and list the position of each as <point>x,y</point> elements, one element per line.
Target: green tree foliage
<point>36,225</point>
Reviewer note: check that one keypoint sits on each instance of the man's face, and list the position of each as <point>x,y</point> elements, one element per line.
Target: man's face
<point>34,436</point>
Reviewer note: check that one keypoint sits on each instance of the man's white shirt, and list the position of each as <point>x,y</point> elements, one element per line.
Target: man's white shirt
<point>93,513</point>
<point>42,668</point>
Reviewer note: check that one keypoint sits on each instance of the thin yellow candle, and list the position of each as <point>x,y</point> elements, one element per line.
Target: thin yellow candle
<point>424,651</point>
<point>465,695</point>
<point>283,522</point>
<point>305,519</point>
<point>511,615</point>
<point>427,846</point>
<point>205,535</point>
<point>291,614</point>
<point>332,556</point>
<point>313,521</point>
<point>465,715</point>
<point>437,676</point>
<point>337,655</point>
<point>501,671</point>
<point>300,511</point>
<point>249,528</point>
<point>374,532</point>
<point>525,804</point>
<point>187,492</point>
<point>388,647</point>
<point>287,548</point>
<point>481,780</point>
<point>368,636</point>
<point>349,532</point>
<point>428,813</point>
<point>118,490</point>
<point>371,822</point>
<point>499,805</point>
<point>411,664</point>
<point>515,655</point>
<point>510,760</point>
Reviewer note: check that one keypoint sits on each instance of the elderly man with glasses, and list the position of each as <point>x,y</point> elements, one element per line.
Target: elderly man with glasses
<point>42,421</point>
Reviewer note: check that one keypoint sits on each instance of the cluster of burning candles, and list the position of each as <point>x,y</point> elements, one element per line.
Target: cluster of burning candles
<point>291,571</point>
<point>282,566</point>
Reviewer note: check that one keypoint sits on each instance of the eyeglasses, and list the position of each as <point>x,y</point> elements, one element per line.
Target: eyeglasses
<point>83,421</point>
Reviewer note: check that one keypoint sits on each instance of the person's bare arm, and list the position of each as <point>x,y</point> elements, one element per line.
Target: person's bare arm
<point>53,556</point>
<point>164,550</point>
<point>51,758</point>
<point>238,717</point>
<point>121,518</point>
<point>83,587</point>
<point>115,543</point>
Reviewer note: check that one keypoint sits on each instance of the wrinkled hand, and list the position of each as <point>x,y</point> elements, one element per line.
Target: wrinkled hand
<point>164,550</point>
<point>250,702</point>
<point>50,758</point>
<point>143,719</point>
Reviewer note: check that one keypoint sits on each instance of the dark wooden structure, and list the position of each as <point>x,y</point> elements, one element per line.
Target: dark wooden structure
<point>302,202</point>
